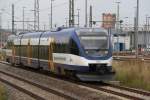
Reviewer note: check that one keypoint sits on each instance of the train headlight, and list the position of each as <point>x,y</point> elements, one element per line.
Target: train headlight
<point>103,52</point>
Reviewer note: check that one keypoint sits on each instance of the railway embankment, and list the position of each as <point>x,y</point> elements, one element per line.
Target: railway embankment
<point>133,73</point>
<point>62,87</point>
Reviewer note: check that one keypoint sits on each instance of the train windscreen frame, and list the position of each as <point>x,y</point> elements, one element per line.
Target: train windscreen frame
<point>95,44</point>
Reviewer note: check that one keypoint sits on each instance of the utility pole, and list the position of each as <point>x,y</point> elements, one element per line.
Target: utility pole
<point>148,24</point>
<point>146,32</point>
<point>71,13</point>
<point>66,22</point>
<point>23,20</point>
<point>137,27</point>
<point>52,14</point>
<point>0,29</point>
<point>78,17</point>
<point>73,22</point>
<point>38,11</point>
<point>44,27</point>
<point>117,26</point>
<point>36,15</point>
<point>90,20</point>
<point>49,18</point>
<point>13,25</point>
<point>0,20</point>
<point>8,25</point>
<point>86,13</point>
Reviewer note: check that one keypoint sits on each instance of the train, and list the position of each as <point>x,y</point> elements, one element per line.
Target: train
<point>84,53</point>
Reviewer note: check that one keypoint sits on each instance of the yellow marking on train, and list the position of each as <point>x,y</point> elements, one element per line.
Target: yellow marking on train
<point>29,52</point>
<point>13,54</point>
<point>50,61</point>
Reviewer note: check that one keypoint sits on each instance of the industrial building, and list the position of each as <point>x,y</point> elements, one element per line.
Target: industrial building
<point>126,40</point>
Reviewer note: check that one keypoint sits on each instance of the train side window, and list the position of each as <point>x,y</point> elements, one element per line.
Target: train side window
<point>73,47</point>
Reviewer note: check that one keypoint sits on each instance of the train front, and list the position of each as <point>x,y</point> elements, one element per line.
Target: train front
<point>96,53</point>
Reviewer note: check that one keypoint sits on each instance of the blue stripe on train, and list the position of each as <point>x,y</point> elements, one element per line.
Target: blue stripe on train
<point>73,67</point>
<point>44,65</point>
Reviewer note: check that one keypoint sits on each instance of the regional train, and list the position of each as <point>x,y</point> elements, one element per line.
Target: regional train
<point>85,53</point>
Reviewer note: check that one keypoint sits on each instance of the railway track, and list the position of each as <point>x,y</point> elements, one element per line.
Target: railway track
<point>116,90</point>
<point>127,58</point>
<point>120,91</point>
<point>11,80</point>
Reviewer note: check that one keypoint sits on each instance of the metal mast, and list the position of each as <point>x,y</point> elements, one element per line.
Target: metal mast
<point>71,13</point>
<point>136,28</point>
<point>51,14</point>
<point>90,20</point>
<point>86,13</point>
<point>23,20</point>
<point>36,15</point>
<point>78,17</point>
<point>13,19</point>
<point>117,26</point>
<point>0,21</point>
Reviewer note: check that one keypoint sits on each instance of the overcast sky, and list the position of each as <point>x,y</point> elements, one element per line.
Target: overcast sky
<point>60,10</point>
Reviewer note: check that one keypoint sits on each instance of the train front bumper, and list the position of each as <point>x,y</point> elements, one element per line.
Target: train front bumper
<point>96,77</point>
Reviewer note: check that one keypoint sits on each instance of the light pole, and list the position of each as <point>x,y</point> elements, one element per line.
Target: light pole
<point>49,18</point>
<point>23,19</point>
<point>52,14</point>
<point>78,17</point>
<point>148,23</point>
<point>117,27</point>
<point>0,20</point>
<point>66,22</point>
<point>1,26</point>
<point>137,27</point>
<point>148,31</point>
<point>86,13</point>
<point>0,29</point>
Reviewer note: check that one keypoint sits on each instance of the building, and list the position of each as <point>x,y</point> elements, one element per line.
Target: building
<point>108,20</point>
<point>121,42</point>
<point>126,40</point>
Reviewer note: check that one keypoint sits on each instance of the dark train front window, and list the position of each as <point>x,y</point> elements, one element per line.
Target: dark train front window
<point>95,45</point>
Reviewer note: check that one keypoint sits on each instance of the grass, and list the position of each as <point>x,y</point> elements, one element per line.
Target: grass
<point>133,73</point>
<point>3,94</point>
<point>2,55</point>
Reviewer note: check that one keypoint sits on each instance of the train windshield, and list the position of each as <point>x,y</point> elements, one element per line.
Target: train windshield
<point>95,45</point>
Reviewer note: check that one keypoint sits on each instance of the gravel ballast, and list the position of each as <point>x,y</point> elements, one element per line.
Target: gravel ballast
<point>62,86</point>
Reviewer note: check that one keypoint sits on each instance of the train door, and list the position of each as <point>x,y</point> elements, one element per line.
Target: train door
<point>29,51</point>
<point>50,52</point>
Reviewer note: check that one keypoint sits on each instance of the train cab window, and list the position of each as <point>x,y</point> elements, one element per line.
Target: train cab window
<point>73,47</point>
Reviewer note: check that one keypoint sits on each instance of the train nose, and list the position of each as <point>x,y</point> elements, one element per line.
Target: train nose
<point>100,68</point>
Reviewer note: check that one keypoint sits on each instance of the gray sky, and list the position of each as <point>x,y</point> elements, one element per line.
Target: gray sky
<point>60,10</point>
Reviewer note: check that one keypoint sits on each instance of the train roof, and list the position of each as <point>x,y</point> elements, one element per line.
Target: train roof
<point>64,32</point>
